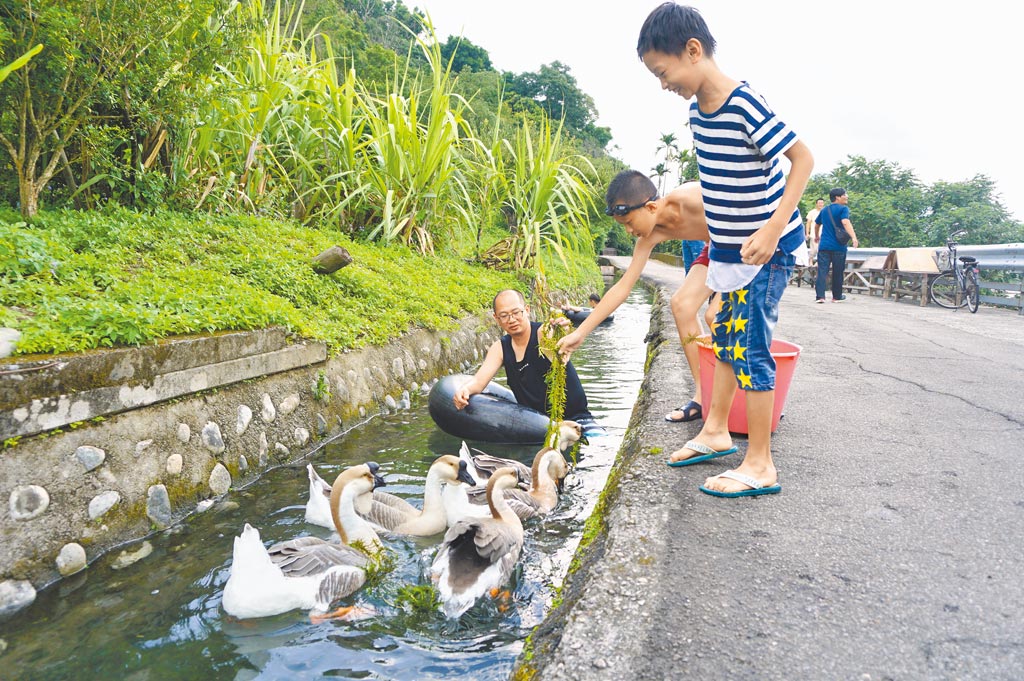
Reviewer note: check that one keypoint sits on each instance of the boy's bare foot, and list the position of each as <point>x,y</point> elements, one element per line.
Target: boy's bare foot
<point>744,480</point>
<point>717,444</point>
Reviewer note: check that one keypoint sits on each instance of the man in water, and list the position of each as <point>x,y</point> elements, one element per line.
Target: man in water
<point>518,351</point>
<point>594,300</point>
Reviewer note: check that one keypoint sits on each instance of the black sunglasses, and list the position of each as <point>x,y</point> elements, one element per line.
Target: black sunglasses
<point>621,209</point>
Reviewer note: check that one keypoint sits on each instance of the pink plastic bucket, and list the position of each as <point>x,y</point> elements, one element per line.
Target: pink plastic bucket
<point>785,354</point>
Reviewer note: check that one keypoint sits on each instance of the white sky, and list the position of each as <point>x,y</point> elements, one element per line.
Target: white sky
<point>929,88</point>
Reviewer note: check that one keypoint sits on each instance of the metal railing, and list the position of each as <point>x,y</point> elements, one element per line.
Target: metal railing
<point>1006,257</point>
<point>991,258</point>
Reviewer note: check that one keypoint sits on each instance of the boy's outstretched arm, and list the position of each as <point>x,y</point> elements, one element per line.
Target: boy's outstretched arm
<point>760,246</point>
<point>611,300</point>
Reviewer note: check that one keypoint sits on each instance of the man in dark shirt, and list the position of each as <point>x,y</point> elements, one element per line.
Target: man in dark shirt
<point>832,253</point>
<point>525,367</point>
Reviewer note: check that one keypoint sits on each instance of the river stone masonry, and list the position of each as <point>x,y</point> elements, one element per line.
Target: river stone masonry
<point>124,473</point>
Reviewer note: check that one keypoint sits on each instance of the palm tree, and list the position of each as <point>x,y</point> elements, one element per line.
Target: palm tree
<point>667,145</point>
<point>660,171</point>
<point>687,166</point>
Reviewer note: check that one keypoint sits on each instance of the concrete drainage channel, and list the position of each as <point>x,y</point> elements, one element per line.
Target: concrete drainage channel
<point>103,448</point>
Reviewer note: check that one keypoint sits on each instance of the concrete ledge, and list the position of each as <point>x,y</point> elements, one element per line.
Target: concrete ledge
<point>47,413</point>
<point>36,377</point>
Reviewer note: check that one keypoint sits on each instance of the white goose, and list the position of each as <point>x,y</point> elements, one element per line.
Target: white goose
<point>318,508</point>
<point>479,554</point>
<point>396,515</point>
<point>391,513</point>
<point>307,572</point>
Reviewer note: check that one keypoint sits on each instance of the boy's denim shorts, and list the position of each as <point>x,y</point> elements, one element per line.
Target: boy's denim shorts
<point>742,332</point>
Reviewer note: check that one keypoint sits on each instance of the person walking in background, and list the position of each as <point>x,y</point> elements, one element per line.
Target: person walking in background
<point>831,225</point>
<point>757,235</point>
<point>812,215</point>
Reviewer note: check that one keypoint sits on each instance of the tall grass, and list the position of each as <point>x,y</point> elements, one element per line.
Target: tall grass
<point>546,196</point>
<point>243,149</point>
<point>287,131</point>
<point>413,154</point>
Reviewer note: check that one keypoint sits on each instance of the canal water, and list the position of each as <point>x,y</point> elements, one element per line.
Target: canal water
<point>160,618</point>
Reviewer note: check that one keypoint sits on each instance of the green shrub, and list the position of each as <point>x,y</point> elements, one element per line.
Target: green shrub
<point>82,280</point>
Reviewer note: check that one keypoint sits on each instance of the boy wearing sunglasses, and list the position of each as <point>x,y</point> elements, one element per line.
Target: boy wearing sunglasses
<point>633,202</point>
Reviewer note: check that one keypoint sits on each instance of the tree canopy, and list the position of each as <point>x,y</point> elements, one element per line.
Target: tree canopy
<point>465,56</point>
<point>109,66</point>
<point>555,89</point>
<point>891,207</point>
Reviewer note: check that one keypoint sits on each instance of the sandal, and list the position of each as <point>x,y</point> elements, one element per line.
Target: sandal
<point>690,410</point>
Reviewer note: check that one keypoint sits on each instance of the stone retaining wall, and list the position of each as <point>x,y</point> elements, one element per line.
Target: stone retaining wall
<point>110,471</point>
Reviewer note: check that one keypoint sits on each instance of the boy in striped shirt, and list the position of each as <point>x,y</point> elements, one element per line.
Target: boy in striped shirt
<point>756,232</point>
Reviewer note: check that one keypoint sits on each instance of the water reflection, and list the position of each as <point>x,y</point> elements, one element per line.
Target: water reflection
<point>161,617</point>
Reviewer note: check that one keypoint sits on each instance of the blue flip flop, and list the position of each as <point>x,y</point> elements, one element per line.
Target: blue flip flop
<point>706,454</point>
<point>756,488</point>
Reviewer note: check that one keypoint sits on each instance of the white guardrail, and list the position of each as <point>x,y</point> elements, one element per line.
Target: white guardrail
<point>1008,257</point>
<point>997,257</point>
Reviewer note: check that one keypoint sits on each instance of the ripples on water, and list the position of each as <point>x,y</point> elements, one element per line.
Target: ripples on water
<point>161,617</point>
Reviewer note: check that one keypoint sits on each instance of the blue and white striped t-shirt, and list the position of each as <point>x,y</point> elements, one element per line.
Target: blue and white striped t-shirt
<point>738,151</point>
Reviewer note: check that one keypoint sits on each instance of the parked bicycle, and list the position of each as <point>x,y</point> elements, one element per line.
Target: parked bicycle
<point>958,285</point>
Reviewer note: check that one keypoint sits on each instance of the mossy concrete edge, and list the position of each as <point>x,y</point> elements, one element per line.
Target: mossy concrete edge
<point>542,648</point>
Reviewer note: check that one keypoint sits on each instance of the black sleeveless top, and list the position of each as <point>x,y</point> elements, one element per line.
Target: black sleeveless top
<point>525,378</point>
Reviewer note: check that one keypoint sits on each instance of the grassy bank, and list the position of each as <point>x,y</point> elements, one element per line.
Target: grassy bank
<point>74,281</point>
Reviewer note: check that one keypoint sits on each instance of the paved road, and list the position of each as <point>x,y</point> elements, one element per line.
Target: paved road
<point>895,550</point>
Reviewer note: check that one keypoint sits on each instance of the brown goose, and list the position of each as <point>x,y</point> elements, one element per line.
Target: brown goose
<point>479,554</point>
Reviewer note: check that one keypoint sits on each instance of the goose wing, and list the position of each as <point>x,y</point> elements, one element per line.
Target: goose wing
<point>387,516</point>
<point>310,556</point>
<point>520,501</point>
<point>339,582</point>
<point>471,547</point>
<point>495,540</point>
<point>336,570</point>
<point>395,502</point>
<point>486,465</point>
<point>524,505</point>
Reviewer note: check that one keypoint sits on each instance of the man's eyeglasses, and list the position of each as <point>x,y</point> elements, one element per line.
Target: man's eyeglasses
<point>621,209</point>
<point>506,316</point>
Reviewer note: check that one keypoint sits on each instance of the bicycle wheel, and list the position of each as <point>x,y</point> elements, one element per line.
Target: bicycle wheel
<point>945,291</point>
<point>972,291</point>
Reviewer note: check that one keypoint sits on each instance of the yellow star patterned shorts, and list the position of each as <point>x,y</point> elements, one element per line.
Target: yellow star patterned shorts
<point>742,332</point>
